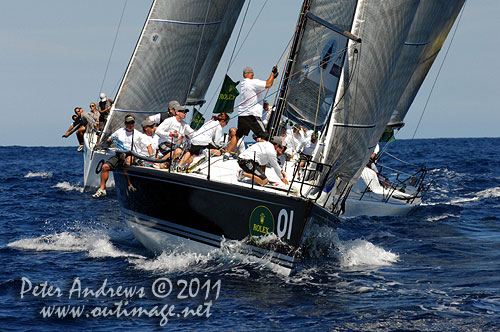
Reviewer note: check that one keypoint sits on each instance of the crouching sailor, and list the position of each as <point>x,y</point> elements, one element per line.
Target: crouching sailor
<point>124,137</point>
<point>263,153</point>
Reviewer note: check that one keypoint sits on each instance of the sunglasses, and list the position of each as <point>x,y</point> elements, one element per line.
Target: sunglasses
<point>130,123</point>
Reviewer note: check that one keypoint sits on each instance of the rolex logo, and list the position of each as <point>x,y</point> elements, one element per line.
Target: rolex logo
<point>262,216</point>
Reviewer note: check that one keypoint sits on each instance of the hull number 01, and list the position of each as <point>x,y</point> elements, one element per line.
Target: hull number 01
<point>285,223</point>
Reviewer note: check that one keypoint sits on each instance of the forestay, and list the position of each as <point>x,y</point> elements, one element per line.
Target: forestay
<point>177,54</point>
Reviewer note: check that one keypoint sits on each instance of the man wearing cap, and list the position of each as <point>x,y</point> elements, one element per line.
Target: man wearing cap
<point>104,107</point>
<point>250,110</point>
<point>263,153</point>
<point>172,131</point>
<point>144,142</point>
<point>127,138</point>
<point>294,139</point>
<point>81,120</point>
<point>266,114</point>
<point>306,148</point>
<point>160,117</point>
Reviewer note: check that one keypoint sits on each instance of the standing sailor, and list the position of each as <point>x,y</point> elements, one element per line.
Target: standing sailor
<point>104,109</point>
<point>250,110</point>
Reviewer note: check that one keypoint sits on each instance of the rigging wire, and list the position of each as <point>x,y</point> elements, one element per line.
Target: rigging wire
<point>250,30</point>
<point>113,47</point>
<point>229,63</point>
<point>238,37</point>
<point>439,71</point>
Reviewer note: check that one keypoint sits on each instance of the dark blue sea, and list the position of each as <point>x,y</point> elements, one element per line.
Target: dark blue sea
<point>69,263</point>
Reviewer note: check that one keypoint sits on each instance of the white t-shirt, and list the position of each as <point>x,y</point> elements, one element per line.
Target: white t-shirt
<point>141,143</point>
<point>210,132</point>
<point>308,147</point>
<point>293,141</point>
<point>264,154</point>
<point>251,106</point>
<point>155,118</point>
<point>125,137</point>
<point>173,130</point>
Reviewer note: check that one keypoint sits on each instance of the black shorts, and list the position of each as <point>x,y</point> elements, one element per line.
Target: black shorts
<point>247,167</point>
<point>253,123</point>
<point>115,161</point>
<point>165,148</point>
<point>196,149</point>
<point>304,157</point>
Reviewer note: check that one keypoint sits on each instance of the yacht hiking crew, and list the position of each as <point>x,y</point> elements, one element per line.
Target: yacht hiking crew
<point>127,138</point>
<point>105,104</point>
<point>208,137</point>
<point>250,110</point>
<point>171,133</point>
<point>158,118</point>
<point>81,120</point>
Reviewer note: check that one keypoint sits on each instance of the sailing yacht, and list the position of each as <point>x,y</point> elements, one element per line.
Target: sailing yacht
<point>340,64</point>
<point>398,191</point>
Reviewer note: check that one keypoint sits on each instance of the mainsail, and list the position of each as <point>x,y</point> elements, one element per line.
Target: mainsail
<point>429,30</point>
<point>358,116</point>
<point>175,57</point>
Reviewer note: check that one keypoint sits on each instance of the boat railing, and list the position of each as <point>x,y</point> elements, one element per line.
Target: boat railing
<point>400,181</point>
<point>311,177</point>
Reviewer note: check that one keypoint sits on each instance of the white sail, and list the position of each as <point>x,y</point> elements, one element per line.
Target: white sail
<point>429,30</point>
<point>383,27</point>
<point>177,38</point>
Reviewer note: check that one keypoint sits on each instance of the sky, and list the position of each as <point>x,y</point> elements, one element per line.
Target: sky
<point>54,55</point>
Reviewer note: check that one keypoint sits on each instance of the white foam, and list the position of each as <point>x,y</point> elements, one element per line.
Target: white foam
<point>441,217</point>
<point>38,175</point>
<point>489,193</point>
<point>95,246</point>
<point>170,262</point>
<point>483,194</point>
<point>66,186</point>
<point>355,253</point>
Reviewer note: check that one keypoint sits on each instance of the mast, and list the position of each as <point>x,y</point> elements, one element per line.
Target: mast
<point>277,115</point>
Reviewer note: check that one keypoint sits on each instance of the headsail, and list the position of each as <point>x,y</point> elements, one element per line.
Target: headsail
<point>383,26</point>
<point>177,39</point>
<point>429,30</point>
<point>316,69</point>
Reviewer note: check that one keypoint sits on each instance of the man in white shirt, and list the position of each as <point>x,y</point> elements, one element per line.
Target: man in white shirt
<point>307,147</point>
<point>209,137</point>
<point>250,110</point>
<point>294,139</point>
<point>160,117</point>
<point>263,153</point>
<point>171,133</point>
<point>125,140</point>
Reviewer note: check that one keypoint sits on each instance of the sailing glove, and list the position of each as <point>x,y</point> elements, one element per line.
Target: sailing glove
<point>275,71</point>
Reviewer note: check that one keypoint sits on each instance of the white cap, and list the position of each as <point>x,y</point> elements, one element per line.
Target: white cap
<point>103,96</point>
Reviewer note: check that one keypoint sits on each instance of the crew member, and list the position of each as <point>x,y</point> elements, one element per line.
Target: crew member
<point>261,154</point>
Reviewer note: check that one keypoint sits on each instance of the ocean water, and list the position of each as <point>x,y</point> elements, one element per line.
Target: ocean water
<point>69,263</point>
